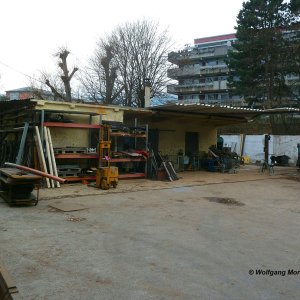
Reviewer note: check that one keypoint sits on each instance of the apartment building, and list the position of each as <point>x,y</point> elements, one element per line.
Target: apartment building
<point>201,72</point>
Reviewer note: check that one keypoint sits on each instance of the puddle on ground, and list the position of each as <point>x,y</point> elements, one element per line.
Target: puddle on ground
<point>227,201</point>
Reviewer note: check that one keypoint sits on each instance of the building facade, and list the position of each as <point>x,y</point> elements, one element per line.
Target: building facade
<point>202,73</point>
<point>28,93</point>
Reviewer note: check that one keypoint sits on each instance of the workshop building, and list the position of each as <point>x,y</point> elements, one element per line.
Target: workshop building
<point>176,130</point>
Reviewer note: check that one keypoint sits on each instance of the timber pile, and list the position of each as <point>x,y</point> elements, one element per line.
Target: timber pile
<point>46,160</point>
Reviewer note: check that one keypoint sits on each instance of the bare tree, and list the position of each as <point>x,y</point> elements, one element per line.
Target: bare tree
<point>100,79</point>
<point>132,53</point>
<point>141,53</point>
<point>40,89</point>
<point>66,78</point>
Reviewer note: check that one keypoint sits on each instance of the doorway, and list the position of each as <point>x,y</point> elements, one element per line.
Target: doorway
<point>153,137</point>
<point>191,143</point>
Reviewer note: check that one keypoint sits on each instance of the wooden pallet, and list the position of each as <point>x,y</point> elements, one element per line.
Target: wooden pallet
<point>68,169</point>
<point>69,150</point>
<point>68,174</point>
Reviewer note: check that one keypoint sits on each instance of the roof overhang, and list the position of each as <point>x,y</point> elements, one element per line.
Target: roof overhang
<point>220,115</point>
<point>220,112</point>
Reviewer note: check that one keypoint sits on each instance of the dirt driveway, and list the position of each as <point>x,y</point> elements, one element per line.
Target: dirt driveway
<point>197,238</point>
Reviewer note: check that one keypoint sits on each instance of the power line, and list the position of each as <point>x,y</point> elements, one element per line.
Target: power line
<point>20,72</point>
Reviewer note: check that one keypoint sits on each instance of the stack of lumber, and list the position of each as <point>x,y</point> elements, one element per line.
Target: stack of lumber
<point>46,156</point>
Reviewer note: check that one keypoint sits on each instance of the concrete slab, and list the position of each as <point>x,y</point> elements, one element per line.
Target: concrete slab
<point>168,242</point>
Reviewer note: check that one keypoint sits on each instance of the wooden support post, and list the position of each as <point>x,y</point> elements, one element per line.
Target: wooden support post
<point>52,156</point>
<point>135,125</point>
<point>146,148</point>
<point>22,144</point>
<point>40,152</point>
<point>42,126</point>
<point>48,155</point>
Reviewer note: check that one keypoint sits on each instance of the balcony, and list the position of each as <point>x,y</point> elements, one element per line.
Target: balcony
<point>186,71</point>
<point>196,54</point>
<point>218,69</point>
<point>190,71</point>
<point>196,88</point>
<point>229,102</point>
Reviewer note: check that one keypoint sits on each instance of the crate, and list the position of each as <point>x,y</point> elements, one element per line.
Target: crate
<point>68,170</point>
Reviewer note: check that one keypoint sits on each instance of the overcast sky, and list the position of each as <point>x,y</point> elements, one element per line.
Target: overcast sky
<point>32,30</point>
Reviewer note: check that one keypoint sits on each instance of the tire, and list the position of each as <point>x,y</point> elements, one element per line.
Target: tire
<point>104,185</point>
<point>114,184</point>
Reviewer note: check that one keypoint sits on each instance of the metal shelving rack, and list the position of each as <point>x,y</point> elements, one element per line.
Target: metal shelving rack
<point>88,126</point>
<point>135,136</point>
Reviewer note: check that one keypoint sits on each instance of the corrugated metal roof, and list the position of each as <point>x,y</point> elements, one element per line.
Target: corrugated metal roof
<point>12,105</point>
<point>220,110</point>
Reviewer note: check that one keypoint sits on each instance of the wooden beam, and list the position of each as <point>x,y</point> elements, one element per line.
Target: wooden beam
<point>40,152</point>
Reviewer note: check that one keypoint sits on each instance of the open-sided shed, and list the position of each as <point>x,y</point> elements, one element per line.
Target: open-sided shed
<point>172,129</point>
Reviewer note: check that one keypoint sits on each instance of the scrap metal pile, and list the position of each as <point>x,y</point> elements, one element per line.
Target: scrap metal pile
<point>222,160</point>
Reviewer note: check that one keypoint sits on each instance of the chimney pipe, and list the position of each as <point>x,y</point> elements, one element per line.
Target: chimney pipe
<point>147,85</point>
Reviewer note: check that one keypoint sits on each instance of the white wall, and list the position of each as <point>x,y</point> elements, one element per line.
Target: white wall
<point>254,146</point>
<point>287,145</point>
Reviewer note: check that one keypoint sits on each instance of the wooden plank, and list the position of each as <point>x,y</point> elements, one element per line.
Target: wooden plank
<point>48,155</point>
<point>40,152</point>
<point>22,144</point>
<point>7,284</point>
<point>167,171</point>
<point>19,175</point>
<point>52,156</point>
<point>171,170</point>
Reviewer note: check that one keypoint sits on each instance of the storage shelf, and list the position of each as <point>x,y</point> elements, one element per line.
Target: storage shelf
<point>128,134</point>
<point>115,160</point>
<point>70,125</point>
<point>61,156</point>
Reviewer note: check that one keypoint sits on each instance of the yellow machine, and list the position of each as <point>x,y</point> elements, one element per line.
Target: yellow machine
<point>106,175</point>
